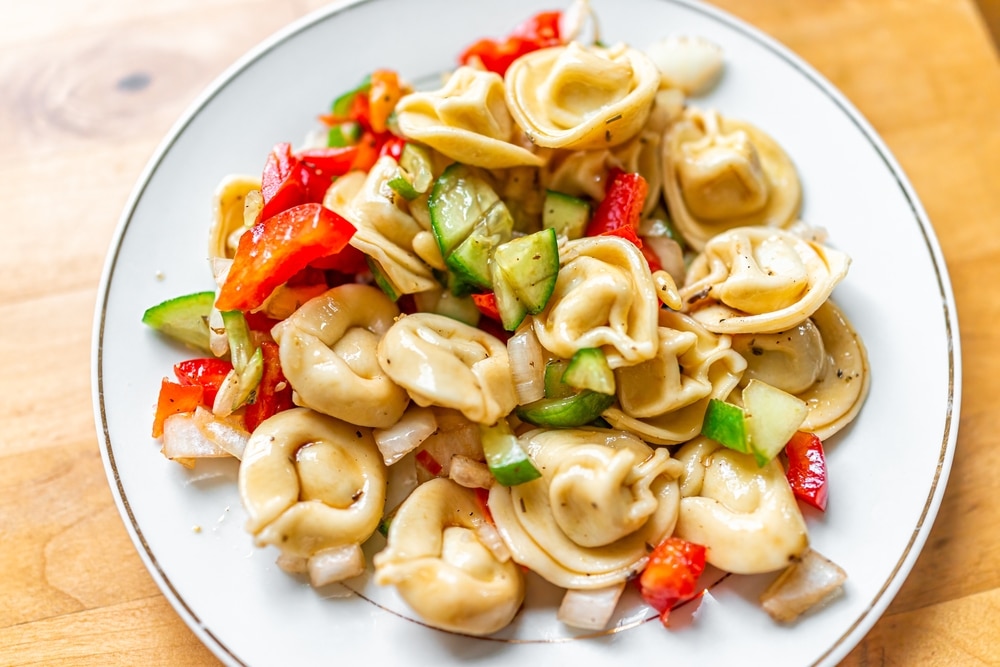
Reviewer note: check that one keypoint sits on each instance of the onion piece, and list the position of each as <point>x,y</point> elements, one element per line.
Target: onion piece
<point>415,426</point>
<point>336,564</point>
<point>527,364</point>
<point>183,439</point>
<point>470,473</point>
<point>813,580</point>
<point>292,564</point>
<point>489,537</point>
<point>590,609</point>
<point>227,433</point>
<point>401,480</point>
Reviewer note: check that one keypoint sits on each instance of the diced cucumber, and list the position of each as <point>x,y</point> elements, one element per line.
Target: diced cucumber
<point>589,369</point>
<point>772,418</point>
<point>555,386</point>
<point>566,214</point>
<point>530,265</point>
<point>183,318</point>
<point>457,201</point>
<point>414,177</point>
<point>471,258</point>
<point>567,412</point>
<point>726,424</point>
<point>762,427</point>
<point>461,308</point>
<point>512,310</point>
<point>505,457</point>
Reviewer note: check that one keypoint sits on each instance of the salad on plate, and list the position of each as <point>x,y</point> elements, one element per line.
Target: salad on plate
<point>547,315</point>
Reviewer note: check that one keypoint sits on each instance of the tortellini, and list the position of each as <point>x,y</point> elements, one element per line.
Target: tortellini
<point>467,120</point>
<point>663,400</point>
<point>328,354</point>
<point>746,515</point>
<point>441,568</point>
<point>603,496</point>
<point>310,482</point>
<point>443,362</point>
<point>579,97</point>
<point>760,280</point>
<point>720,173</point>
<point>604,297</point>
<point>822,361</point>
<point>385,228</point>
<point>228,214</point>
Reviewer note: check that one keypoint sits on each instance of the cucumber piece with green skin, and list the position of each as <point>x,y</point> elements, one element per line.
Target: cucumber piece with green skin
<point>414,176</point>
<point>505,457</point>
<point>183,318</point>
<point>512,310</point>
<point>457,201</point>
<point>530,265</point>
<point>726,424</point>
<point>471,258</point>
<point>555,386</point>
<point>566,214</point>
<point>241,347</point>
<point>577,409</point>
<point>772,418</point>
<point>589,369</point>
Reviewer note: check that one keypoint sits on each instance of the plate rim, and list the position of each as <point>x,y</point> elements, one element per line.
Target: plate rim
<point>871,613</point>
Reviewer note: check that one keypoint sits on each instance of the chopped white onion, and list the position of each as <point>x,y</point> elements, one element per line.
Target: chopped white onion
<point>590,609</point>
<point>574,19</point>
<point>292,564</point>
<point>489,537</point>
<point>183,439</point>
<point>470,473</point>
<point>453,437</point>
<point>670,254</point>
<point>527,364</point>
<point>336,564</point>
<point>228,434</point>
<point>228,395</point>
<point>401,480</point>
<point>415,426</point>
<point>813,580</point>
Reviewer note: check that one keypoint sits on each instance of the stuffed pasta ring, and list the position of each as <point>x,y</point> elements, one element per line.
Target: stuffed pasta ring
<point>579,97</point>
<point>720,173</point>
<point>586,522</point>
<point>310,482</point>
<point>441,361</point>
<point>328,354</point>
<point>746,515</point>
<point>467,120</point>
<point>440,567</point>
<point>760,280</point>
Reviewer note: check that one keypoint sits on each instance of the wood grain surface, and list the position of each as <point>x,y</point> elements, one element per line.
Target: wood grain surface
<point>88,89</point>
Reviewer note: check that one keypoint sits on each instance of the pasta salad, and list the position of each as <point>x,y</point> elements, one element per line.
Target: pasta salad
<point>548,314</point>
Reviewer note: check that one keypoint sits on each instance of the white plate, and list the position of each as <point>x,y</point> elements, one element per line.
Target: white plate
<point>888,471</point>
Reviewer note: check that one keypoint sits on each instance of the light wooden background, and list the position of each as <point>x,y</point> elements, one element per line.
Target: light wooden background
<point>89,87</point>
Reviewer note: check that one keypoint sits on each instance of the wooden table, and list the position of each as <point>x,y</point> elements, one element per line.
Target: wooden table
<point>87,90</point>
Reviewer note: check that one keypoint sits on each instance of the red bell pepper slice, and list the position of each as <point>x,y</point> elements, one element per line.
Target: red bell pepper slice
<point>209,372</point>
<point>277,248</point>
<point>671,574</point>
<point>428,462</point>
<point>290,179</point>
<point>807,469</point>
<point>487,305</point>
<point>620,211</point>
<point>175,398</point>
<point>538,32</point>
<point>274,394</point>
